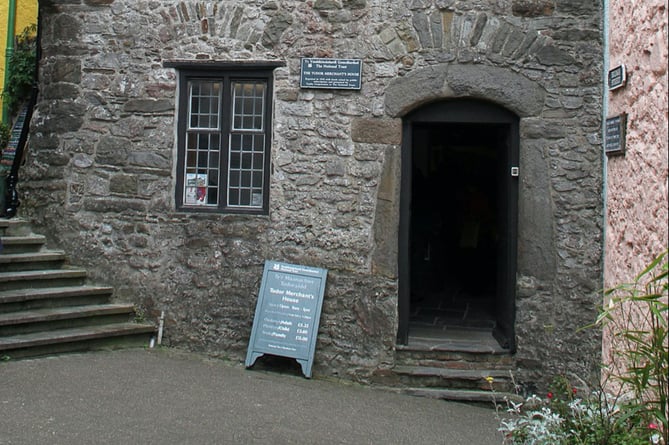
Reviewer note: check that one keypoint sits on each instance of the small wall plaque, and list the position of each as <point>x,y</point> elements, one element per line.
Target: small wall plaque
<point>617,77</point>
<point>342,74</point>
<point>614,142</point>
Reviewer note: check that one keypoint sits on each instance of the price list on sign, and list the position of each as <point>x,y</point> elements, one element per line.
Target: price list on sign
<point>287,313</point>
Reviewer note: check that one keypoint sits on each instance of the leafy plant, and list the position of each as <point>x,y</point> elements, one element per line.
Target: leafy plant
<point>5,134</point>
<point>563,418</point>
<point>21,75</point>
<point>636,318</point>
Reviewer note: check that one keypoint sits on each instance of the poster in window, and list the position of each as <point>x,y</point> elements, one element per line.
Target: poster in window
<point>256,200</point>
<point>196,188</point>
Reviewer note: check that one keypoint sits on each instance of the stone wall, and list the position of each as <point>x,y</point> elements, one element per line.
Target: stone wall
<point>99,179</point>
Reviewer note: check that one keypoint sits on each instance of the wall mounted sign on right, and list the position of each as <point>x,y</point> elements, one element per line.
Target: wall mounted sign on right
<point>614,142</point>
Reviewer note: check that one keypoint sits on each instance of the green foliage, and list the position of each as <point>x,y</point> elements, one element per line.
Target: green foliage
<point>5,134</point>
<point>563,417</point>
<point>636,317</point>
<point>22,69</point>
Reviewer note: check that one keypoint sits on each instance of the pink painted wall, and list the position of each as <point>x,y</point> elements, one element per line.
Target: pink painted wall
<point>637,188</point>
<point>636,199</point>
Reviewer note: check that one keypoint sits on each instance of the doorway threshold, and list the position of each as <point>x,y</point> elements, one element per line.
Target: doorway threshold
<point>452,339</point>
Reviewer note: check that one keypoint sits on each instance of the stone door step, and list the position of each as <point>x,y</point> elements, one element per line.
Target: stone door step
<point>451,373</point>
<point>464,395</point>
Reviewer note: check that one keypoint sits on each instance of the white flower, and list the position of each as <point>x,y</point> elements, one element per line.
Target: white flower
<point>515,407</point>
<point>577,407</point>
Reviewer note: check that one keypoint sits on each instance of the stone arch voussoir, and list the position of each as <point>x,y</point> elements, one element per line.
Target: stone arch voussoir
<point>501,86</point>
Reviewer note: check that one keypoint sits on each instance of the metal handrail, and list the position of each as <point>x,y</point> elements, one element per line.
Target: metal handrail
<point>12,201</point>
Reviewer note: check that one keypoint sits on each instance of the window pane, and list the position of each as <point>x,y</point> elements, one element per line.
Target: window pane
<point>248,105</point>
<point>233,197</point>
<point>236,142</point>
<point>234,179</point>
<point>212,194</point>
<point>259,141</point>
<point>245,197</point>
<point>205,104</point>
<point>201,180</point>
<point>256,197</point>
<point>246,179</point>
<point>213,158</point>
<point>191,160</point>
<point>246,167</point>
<point>247,161</point>
<point>257,161</point>
<point>257,179</point>
<point>235,160</point>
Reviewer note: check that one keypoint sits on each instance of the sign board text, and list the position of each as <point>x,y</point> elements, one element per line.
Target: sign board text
<point>287,313</point>
<point>342,74</point>
<point>614,142</point>
<point>617,77</point>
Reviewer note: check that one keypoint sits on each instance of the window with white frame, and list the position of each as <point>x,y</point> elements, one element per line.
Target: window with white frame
<point>224,129</point>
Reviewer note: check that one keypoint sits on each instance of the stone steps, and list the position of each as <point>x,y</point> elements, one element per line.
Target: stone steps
<point>32,261</point>
<point>467,365</point>
<point>30,279</point>
<point>117,335</point>
<point>432,377</point>
<point>47,307</point>
<point>25,298</point>
<point>35,320</point>
<point>22,243</point>
<point>460,395</point>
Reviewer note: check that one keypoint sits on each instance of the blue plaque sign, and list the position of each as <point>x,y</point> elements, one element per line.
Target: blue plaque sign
<point>342,74</point>
<point>288,313</point>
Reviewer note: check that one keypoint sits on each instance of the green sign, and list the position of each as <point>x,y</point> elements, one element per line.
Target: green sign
<point>288,313</point>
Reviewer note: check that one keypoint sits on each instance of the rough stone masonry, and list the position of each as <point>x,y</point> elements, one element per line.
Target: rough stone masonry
<point>100,175</point>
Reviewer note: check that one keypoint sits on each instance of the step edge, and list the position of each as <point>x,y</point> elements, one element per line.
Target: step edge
<point>433,371</point>
<point>23,239</point>
<point>22,257</point>
<point>64,313</point>
<point>453,348</point>
<point>45,274</point>
<point>40,293</point>
<point>465,395</point>
<point>25,341</point>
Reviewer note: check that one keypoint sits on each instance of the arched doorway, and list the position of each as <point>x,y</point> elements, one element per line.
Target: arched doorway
<point>458,221</point>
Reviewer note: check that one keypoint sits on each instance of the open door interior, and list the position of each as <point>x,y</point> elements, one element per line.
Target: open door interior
<point>460,238</point>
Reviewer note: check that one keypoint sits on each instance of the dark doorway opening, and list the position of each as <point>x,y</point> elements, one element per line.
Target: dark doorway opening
<point>458,222</point>
<point>455,224</point>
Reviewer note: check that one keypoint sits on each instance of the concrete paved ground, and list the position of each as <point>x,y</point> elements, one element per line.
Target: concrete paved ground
<point>164,396</point>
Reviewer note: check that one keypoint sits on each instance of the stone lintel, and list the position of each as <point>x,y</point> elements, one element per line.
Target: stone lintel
<point>377,131</point>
